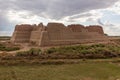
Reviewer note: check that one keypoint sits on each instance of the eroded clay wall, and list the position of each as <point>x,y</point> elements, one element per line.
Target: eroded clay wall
<point>95,28</point>
<point>56,34</point>
<point>79,31</point>
<point>76,28</point>
<point>22,34</point>
<point>36,33</point>
<point>57,31</point>
<point>44,39</point>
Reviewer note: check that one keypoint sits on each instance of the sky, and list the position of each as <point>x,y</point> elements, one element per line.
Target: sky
<point>87,12</point>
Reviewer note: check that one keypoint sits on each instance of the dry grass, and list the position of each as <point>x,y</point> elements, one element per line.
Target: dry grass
<point>81,71</point>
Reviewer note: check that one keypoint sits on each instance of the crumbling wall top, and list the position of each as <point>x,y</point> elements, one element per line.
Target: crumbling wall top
<point>23,27</point>
<point>95,28</point>
<point>76,27</point>
<point>55,24</point>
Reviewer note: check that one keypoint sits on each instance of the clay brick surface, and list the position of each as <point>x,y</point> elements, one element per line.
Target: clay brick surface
<point>56,34</point>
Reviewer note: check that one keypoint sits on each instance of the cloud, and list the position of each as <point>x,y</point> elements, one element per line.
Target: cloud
<point>110,28</point>
<point>24,17</point>
<point>107,23</point>
<point>4,22</point>
<point>115,8</point>
<point>55,9</point>
<point>90,16</point>
<point>34,11</point>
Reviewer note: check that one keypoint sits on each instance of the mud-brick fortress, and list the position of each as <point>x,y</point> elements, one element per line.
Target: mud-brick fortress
<point>56,34</point>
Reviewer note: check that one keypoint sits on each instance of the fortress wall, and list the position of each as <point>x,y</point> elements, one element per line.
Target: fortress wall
<point>76,28</point>
<point>67,34</point>
<point>81,35</point>
<point>44,39</point>
<point>79,31</point>
<point>54,31</point>
<point>21,37</point>
<point>57,34</point>
<point>95,28</point>
<point>13,37</point>
<point>35,36</point>
<point>24,27</point>
<point>22,34</point>
<point>86,35</point>
<point>89,35</point>
<point>36,33</point>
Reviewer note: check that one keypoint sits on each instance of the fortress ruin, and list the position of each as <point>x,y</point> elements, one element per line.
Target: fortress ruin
<point>56,34</point>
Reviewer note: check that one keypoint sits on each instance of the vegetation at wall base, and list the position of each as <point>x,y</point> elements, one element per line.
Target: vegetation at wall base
<point>31,52</point>
<point>5,38</point>
<point>95,51</point>
<point>5,48</point>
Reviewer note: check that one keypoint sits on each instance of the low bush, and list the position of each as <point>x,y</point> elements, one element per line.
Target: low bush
<point>31,52</point>
<point>97,45</point>
<point>4,48</point>
<point>75,52</point>
<point>88,51</point>
<point>51,50</point>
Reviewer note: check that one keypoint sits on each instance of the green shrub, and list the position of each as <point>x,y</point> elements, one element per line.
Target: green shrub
<point>97,45</point>
<point>11,48</point>
<point>51,50</point>
<point>34,51</point>
<point>31,52</point>
<point>3,48</point>
<point>80,51</point>
<point>89,51</point>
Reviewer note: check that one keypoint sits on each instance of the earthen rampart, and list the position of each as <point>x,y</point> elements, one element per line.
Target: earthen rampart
<point>56,34</point>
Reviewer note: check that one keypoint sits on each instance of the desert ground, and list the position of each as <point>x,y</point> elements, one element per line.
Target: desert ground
<point>89,61</point>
